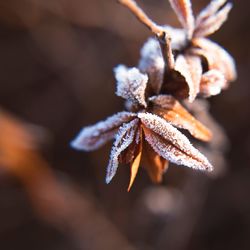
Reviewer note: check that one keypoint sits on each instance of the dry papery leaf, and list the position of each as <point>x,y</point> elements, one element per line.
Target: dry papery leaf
<point>181,76</point>
<point>173,112</point>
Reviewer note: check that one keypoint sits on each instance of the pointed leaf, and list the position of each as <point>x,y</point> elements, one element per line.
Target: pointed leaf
<point>135,166</point>
<point>212,82</point>
<point>152,63</point>
<point>171,144</point>
<point>155,165</point>
<point>191,69</point>
<point>173,112</point>
<point>93,137</point>
<point>183,10</point>
<point>216,56</point>
<point>124,138</point>
<point>211,24</point>
<point>209,11</point>
<point>131,84</point>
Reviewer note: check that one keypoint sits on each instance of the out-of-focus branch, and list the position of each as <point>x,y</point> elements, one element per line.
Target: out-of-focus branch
<point>72,211</point>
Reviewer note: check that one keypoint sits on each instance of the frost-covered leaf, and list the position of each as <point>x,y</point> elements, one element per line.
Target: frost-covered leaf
<point>191,69</point>
<point>209,11</point>
<point>212,82</point>
<point>173,112</point>
<point>178,37</point>
<point>207,26</point>
<point>124,138</point>
<point>183,10</point>
<point>93,137</point>
<point>131,84</point>
<point>216,57</point>
<point>152,63</point>
<point>171,144</point>
<point>155,165</point>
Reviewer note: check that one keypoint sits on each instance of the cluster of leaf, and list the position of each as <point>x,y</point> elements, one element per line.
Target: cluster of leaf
<point>177,64</point>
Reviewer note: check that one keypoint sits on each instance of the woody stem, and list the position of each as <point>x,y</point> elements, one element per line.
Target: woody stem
<point>163,38</point>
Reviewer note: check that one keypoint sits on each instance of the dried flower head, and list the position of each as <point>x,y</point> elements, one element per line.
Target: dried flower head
<point>183,62</point>
<point>179,63</point>
<point>146,131</point>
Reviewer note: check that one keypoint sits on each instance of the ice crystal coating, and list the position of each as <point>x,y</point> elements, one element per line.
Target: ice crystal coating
<point>177,148</point>
<point>216,57</point>
<point>123,139</point>
<point>131,84</point>
<point>93,137</point>
<point>212,83</point>
<point>190,68</point>
<point>172,111</point>
<point>152,63</point>
<point>179,63</point>
<point>211,18</point>
<point>183,10</point>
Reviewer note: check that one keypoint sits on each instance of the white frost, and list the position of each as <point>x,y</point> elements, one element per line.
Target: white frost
<point>131,84</point>
<point>165,130</point>
<point>123,139</point>
<point>93,137</point>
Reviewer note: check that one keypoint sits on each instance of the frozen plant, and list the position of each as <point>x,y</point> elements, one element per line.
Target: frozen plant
<point>178,64</point>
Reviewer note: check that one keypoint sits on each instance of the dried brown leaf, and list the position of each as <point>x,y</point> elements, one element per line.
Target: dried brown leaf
<point>155,165</point>
<point>135,166</point>
<point>124,137</point>
<point>216,57</point>
<point>171,144</point>
<point>183,10</point>
<point>209,11</point>
<point>191,69</point>
<point>212,82</point>
<point>207,26</point>
<point>172,111</point>
<point>152,63</point>
<point>93,137</point>
<point>131,84</point>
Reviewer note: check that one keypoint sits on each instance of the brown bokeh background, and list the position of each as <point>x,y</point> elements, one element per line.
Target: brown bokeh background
<point>56,61</point>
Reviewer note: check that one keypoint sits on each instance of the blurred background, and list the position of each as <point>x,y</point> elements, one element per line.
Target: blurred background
<point>56,61</point>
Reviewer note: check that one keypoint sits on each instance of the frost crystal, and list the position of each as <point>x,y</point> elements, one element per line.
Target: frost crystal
<point>183,10</point>
<point>177,63</point>
<point>174,137</point>
<point>208,25</point>
<point>93,137</point>
<point>190,68</point>
<point>152,62</point>
<point>131,84</point>
<point>123,139</point>
<point>212,83</point>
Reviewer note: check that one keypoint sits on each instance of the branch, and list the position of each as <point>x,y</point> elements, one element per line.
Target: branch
<point>163,38</point>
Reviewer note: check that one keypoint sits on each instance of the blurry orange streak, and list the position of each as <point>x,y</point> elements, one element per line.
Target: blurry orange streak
<point>57,202</point>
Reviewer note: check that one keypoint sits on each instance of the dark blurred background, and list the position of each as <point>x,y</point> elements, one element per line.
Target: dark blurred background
<point>56,61</point>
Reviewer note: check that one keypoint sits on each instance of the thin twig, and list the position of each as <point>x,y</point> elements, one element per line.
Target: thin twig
<point>163,38</point>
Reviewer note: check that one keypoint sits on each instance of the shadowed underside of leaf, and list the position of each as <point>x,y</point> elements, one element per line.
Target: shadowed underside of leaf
<point>93,137</point>
<point>135,165</point>
<point>154,164</point>
<point>173,112</point>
